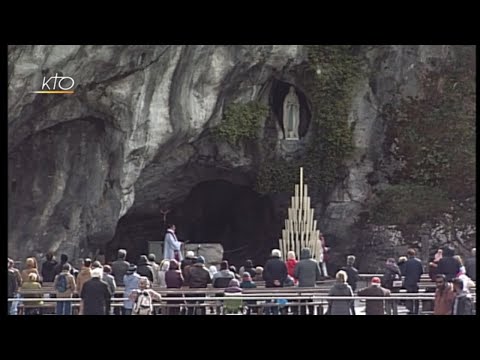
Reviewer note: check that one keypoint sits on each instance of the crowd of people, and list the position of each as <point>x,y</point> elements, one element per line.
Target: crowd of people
<point>96,283</point>
<point>453,283</point>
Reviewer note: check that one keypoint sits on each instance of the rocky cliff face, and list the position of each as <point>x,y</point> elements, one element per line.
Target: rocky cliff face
<point>136,137</point>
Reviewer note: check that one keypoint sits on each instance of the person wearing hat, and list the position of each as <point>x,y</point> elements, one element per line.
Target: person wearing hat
<point>374,307</point>
<point>186,263</point>
<point>197,277</point>
<point>144,268</point>
<point>131,281</point>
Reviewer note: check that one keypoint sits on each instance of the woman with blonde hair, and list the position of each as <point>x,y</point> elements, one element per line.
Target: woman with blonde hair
<point>402,262</point>
<point>30,267</point>
<point>459,260</point>
<point>32,307</point>
<point>164,266</point>
<point>340,288</point>
<point>258,274</point>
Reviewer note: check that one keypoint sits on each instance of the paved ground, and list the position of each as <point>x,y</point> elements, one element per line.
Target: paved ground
<point>360,308</point>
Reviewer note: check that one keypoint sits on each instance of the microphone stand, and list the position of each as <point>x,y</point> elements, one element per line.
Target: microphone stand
<point>185,248</point>
<point>198,249</point>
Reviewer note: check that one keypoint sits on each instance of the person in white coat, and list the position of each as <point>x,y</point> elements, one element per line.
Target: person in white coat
<point>164,266</point>
<point>172,245</point>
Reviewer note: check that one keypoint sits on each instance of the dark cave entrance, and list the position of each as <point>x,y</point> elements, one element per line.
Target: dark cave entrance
<point>216,211</point>
<point>235,216</point>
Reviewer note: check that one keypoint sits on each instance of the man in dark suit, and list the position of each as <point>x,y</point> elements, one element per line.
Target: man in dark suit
<point>95,295</point>
<point>413,272</point>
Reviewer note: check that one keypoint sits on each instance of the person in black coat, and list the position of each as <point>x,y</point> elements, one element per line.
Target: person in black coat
<point>95,295</point>
<point>144,268</point>
<point>173,280</point>
<point>248,267</point>
<point>448,266</point>
<point>63,261</point>
<point>275,274</point>
<point>197,277</point>
<point>352,276</point>
<point>275,271</point>
<point>48,268</point>
<point>413,272</point>
<point>392,280</point>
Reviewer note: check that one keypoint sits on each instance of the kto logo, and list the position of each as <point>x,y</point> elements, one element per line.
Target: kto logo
<point>57,85</point>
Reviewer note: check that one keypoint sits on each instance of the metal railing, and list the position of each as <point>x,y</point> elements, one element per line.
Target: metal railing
<point>272,296</point>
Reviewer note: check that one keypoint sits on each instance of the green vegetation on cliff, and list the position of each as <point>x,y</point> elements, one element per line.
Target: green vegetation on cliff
<point>408,204</point>
<point>435,138</point>
<point>330,78</point>
<point>241,122</point>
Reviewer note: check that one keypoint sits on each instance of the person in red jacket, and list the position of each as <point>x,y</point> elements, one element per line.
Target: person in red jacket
<point>291,262</point>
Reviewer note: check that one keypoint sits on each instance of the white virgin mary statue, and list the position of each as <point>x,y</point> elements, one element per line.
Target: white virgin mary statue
<point>291,115</point>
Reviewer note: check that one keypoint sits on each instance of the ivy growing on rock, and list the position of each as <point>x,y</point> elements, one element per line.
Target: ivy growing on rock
<point>435,139</point>
<point>329,79</point>
<point>241,122</point>
<point>408,204</point>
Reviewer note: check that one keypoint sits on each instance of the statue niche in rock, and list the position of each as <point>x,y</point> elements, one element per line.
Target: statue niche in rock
<point>291,115</point>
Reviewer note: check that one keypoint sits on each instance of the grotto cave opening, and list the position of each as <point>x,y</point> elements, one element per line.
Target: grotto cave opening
<point>214,211</point>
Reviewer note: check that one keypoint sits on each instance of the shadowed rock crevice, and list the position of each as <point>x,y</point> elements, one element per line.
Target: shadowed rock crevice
<point>59,179</point>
